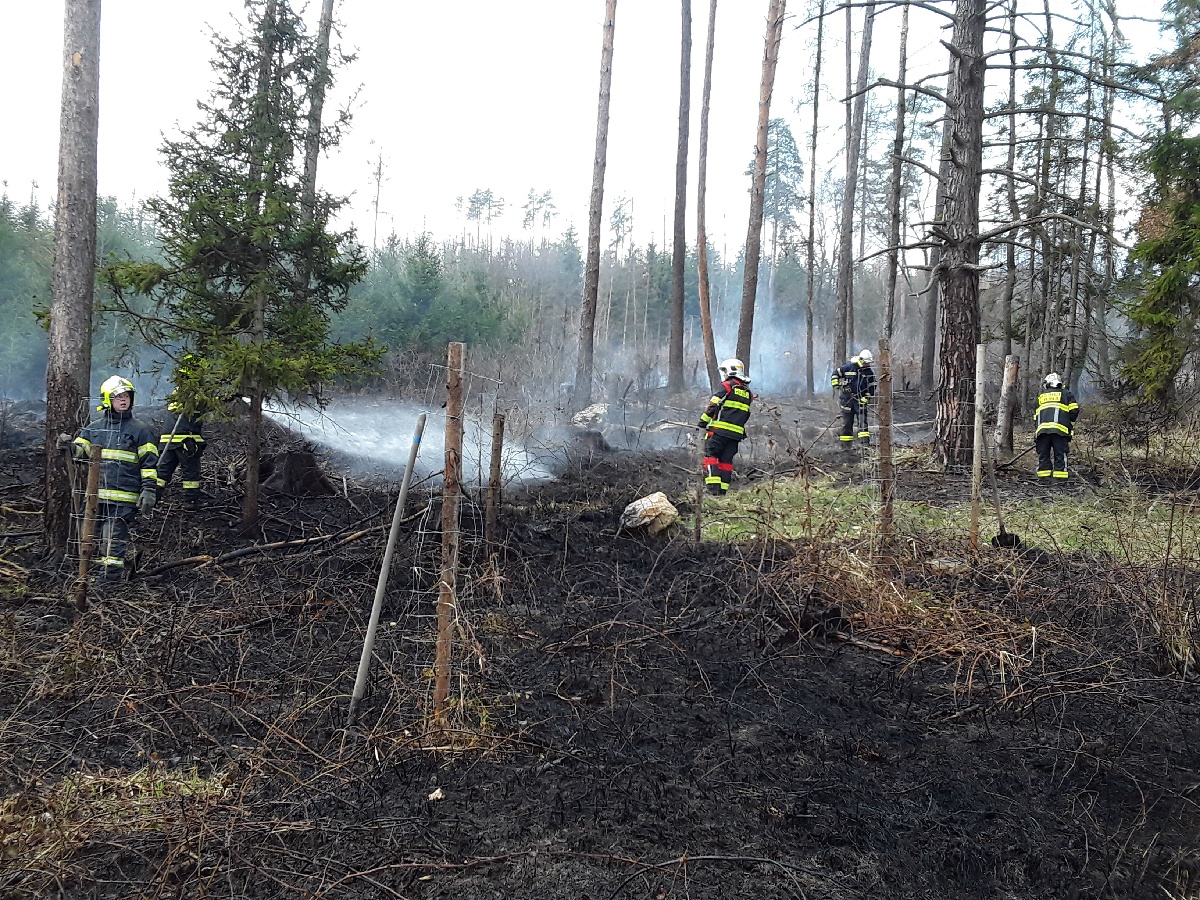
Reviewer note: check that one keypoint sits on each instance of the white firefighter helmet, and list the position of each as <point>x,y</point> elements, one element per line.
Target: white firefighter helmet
<point>113,387</point>
<point>734,367</point>
<point>865,357</point>
<point>1052,381</point>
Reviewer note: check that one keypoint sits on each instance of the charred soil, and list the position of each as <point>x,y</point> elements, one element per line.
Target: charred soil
<point>630,717</point>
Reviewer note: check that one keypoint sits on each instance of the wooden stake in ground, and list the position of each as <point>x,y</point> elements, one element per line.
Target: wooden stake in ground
<point>451,492</point>
<point>977,455</point>
<point>887,475</point>
<point>87,540</point>
<point>493,494</point>
<point>700,486</point>
<point>385,568</point>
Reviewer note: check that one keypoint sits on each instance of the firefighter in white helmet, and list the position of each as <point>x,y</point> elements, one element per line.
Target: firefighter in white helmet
<point>856,381</point>
<point>724,423</point>
<point>128,480</point>
<point>1054,425</point>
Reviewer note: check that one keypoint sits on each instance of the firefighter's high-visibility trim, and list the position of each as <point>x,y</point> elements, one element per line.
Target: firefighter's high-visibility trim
<point>150,473</point>
<point>864,434</point>
<point>115,496</point>
<point>118,455</point>
<point>112,562</point>
<point>1060,474</point>
<point>191,485</point>
<point>846,437</point>
<point>149,447</point>
<point>1044,473</point>
<point>180,438</point>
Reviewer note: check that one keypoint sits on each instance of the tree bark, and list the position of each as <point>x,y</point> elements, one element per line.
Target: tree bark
<point>706,328</point>
<point>69,364</point>
<point>774,35</point>
<point>582,394</point>
<point>893,260</point>
<point>854,124</point>
<point>679,244</point>
<point>959,268</point>
<point>810,242</point>
<point>316,107</point>
<point>933,285</point>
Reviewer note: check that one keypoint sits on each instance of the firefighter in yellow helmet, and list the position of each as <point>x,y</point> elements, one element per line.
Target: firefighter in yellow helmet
<point>182,446</point>
<point>128,481</point>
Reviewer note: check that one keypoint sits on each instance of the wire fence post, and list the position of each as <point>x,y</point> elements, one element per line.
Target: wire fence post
<point>87,539</point>
<point>977,450</point>
<point>887,473</point>
<point>493,492</point>
<point>451,493</point>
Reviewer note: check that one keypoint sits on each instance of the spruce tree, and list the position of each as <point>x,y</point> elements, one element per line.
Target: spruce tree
<point>249,279</point>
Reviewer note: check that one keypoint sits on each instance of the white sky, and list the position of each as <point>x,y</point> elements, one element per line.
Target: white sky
<point>475,94</point>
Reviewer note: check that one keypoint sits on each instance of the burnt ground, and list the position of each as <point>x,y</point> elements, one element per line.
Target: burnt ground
<point>630,717</point>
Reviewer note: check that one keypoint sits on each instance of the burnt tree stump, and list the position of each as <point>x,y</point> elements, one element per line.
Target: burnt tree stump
<point>296,472</point>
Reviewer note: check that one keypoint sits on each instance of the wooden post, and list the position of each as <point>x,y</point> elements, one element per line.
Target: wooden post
<point>87,539</point>
<point>977,451</point>
<point>1008,406</point>
<point>451,492</point>
<point>493,494</point>
<point>700,486</point>
<point>364,662</point>
<point>887,475</point>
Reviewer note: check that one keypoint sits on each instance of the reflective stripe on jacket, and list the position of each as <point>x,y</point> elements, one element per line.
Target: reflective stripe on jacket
<point>855,379</point>
<point>188,427</point>
<point>128,454</point>
<point>1056,413</point>
<point>728,410</point>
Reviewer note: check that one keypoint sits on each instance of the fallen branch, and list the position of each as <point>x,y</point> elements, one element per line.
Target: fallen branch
<point>243,552</point>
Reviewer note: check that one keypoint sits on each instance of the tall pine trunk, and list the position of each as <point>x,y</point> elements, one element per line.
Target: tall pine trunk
<point>758,179</point>
<point>582,394</point>
<point>959,269</point>
<point>706,329</point>
<point>854,129</point>
<point>679,245</point>
<point>69,363</point>
<point>810,241</point>
<point>897,182</point>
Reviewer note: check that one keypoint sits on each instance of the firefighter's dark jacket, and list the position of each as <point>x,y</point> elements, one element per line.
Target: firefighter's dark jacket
<point>728,409</point>
<point>855,379</point>
<point>184,427</point>
<point>128,453</point>
<point>1056,413</point>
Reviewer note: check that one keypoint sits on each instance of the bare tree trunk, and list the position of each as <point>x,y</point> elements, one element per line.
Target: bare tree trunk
<point>893,260</point>
<point>582,394</point>
<point>316,107</point>
<point>933,282</point>
<point>774,35</point>
<point>1014,211</point>
<point>679,246</point>
<point>854,125</point>
<point>69,364</point>
<point>810,247</point>
<point>959,270</point>
<point>706,329</point>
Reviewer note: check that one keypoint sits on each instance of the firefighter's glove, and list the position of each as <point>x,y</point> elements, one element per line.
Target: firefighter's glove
<point>80,451</point>
<point>835,381</point>
<point>146,500</point>
<point>863,400</point>
<point>189,446</point>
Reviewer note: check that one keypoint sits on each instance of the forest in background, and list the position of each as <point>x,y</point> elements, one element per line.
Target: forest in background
<point>1077,138</point>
